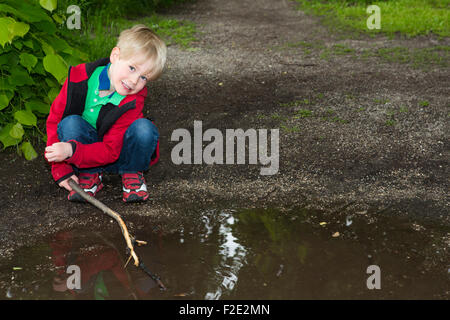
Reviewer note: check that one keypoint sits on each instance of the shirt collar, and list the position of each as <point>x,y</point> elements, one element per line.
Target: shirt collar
<point>103,79</point>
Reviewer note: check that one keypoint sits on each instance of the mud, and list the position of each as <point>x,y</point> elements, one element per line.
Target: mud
<point>345,157</point>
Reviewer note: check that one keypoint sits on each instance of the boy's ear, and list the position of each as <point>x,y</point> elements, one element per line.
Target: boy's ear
<point>115,54</point>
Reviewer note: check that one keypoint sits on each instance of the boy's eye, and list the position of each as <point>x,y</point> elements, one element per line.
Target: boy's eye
<point>144,78</point>
<point>132,68</point>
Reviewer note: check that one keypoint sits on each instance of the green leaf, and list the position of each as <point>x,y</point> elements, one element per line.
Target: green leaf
<point>26,94</point>
<point>20,77</point>
<point>56,65</point>
<point>17,131</point>
<point>39,68</point>
<point>25,11</point>
<point>18,29</point>
<point>9,59</point>
<point>52,83</point>
<point>10,28</point>
<point>58,44</point>
<point>28,61</point>
<point>58,18</point>
<point>39,106</point>
<point>5,97</point>
<point>53,93</point>
<point>5,35</point>
<point>49,5</point>
<point>48,27</point>
<point>5,85</point>
<point>5,50</point>
<point>28,43</point>
<point>28,151</point>
<point>18,44</point>
<point>48,49</point>
<point>25,117</point>
<point>5,138</point>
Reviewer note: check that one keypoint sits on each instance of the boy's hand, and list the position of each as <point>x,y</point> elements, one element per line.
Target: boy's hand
<point>58,151</point>
<point>65,183</point>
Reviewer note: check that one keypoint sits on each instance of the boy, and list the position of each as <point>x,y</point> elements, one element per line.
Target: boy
<point>96,123</point>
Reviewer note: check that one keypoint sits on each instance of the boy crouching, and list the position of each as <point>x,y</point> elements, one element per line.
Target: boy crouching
<point>96,123</point>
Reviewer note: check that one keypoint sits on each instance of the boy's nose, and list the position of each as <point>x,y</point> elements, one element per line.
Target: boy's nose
<point>134,78</point>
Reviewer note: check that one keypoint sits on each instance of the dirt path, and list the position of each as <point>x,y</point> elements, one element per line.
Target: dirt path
<point>355,132</point>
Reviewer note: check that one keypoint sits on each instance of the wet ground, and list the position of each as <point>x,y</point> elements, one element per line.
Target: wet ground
<point>360,136</point>
<point>242,254</point>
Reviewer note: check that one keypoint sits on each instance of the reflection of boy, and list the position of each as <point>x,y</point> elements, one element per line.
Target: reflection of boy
<point>94,266</point>
<point>96,123</point>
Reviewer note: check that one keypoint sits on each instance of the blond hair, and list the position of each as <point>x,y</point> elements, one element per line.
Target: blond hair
<point>141,40</point>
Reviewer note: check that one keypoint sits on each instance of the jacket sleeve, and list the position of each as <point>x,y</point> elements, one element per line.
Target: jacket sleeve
<point>60,170</point>
<point>106,151</point>
<point>155,156</point>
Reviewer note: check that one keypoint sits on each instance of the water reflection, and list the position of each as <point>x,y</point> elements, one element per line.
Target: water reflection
<point>232,255</point>
<point>96,273</point>
<point>242,254</point>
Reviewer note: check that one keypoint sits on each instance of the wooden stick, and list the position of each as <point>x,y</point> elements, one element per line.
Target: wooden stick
<point>112,214</point>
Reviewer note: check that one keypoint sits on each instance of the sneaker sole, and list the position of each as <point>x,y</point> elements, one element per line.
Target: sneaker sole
<point>77,198</point>
<point>134,197</point>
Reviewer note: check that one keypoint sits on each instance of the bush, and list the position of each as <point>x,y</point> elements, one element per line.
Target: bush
<point>34,61</point>
<point>36,49</point>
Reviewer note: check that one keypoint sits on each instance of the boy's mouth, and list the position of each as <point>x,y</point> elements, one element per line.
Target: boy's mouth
<point>126,86</point>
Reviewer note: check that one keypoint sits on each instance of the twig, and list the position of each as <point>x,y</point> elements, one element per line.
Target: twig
<point>112,214</point>
<point>131,241</point>
<point>126,263</point>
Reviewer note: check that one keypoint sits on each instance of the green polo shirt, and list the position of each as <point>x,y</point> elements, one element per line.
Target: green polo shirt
<point>98,81</point>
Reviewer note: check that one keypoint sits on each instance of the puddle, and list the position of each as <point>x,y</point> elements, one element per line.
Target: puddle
<point>242,254</point>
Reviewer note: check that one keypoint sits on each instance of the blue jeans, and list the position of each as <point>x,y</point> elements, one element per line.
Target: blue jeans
<point>139,143</point>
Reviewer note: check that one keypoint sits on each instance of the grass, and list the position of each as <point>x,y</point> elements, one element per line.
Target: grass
<point>416,57</point>
<point>405,17</point>
<point>290,129</point>
<point>390,122</point>
<point>98,39</point>
<point>408,17</point>
<point>392,114</point>
<point>380,101</point>
<point>102,23</point>
<point>403,109</point>
<point>298,112</point>
<point>341,49</point>
<point>295,103</point>
<point>303,113</point>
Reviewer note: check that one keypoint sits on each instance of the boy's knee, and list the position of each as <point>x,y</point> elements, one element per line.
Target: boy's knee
<point>144,131</point>
<point>69,127</point>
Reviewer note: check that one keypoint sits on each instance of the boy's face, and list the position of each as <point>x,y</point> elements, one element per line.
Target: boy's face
<point>128,76</point>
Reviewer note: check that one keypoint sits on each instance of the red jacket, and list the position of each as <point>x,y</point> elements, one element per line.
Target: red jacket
<point>112,122</point>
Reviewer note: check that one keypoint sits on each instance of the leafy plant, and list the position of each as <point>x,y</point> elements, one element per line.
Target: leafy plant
<point>303,113</point>
<point>36,49</point>
<point>424,103</point>
<point>33,65</point>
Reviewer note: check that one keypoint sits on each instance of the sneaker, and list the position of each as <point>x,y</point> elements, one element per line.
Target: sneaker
<point>134,187</point>
<point>90,182</point>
